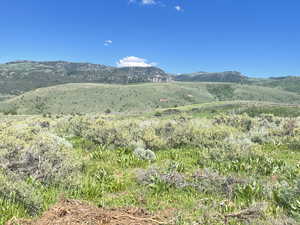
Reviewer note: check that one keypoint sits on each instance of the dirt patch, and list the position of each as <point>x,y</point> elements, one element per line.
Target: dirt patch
<point>73,212</point>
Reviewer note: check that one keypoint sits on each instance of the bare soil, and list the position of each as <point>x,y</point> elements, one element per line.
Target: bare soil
<point>73,212</point>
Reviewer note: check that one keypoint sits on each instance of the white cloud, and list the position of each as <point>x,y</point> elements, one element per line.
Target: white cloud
<point>144,2</point>
<point>108,42</point>
<point>178,8</point>
<point>148,2</point>
<point>132,61</point>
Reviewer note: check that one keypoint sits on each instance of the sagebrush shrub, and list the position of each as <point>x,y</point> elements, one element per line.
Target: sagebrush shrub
<point>144,154</point>
<point>153,176</point>
<point>205,181</point>
<point>19,192</point>
<point>154,134</point>
<point>209,181</point>
<point>42,156</point>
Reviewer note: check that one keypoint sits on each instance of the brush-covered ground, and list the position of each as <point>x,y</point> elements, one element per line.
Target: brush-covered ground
<point>290,83</point>
<point>214,166</point>
<point>93,98</point>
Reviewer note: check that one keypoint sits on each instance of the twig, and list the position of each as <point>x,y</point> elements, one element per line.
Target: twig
<point>141,218</point>
<point>244,214</point>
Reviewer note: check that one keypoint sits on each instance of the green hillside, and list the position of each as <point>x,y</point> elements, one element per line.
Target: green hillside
<point>289,83</point>
<point>87,98</point>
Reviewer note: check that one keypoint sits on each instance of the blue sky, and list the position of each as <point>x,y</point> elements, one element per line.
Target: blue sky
<point>256,37</point>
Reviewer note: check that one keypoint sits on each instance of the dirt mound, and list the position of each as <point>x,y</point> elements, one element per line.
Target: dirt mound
<point>73,212</point>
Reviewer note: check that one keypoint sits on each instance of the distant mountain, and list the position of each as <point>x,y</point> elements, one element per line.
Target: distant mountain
<point>21,76</point>
<point>228,76</point>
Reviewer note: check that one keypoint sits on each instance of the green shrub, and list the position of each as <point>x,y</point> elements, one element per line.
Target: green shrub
<point>19,192</point>
<point>250,192</point>
<point>288,197</point>
<point>221,91</point>
<point>294,143</point>
<point>11,111</point>
<point>107,111</point>
<point>243,122</point>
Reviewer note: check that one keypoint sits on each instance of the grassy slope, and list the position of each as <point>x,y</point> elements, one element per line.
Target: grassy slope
<point>291,84</point>
<point>252,108</point>
<point>86,98</point>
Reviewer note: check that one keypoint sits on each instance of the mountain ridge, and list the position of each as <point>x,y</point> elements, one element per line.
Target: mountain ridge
<point>20,76</point>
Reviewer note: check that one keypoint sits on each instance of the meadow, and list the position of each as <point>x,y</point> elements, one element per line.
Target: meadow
<point>95,98</point>
<point>211,166</point>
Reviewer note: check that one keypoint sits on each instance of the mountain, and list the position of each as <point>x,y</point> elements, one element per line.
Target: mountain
<point>21,76</point>
<point>227,76</point>
<point>90,98</point>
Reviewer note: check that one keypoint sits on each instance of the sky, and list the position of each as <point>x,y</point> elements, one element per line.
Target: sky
<point>256,37</point>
